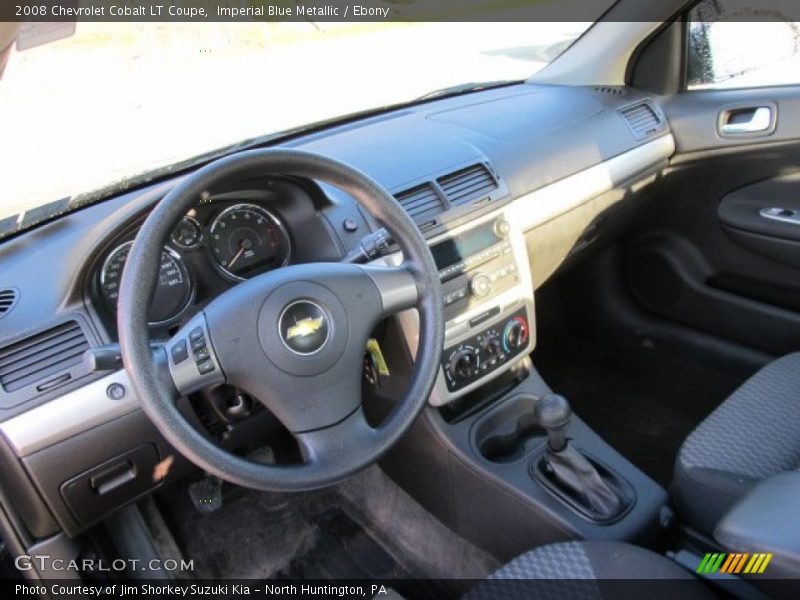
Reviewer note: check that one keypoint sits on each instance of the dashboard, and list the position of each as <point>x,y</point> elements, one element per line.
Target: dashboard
<point>464,168</point>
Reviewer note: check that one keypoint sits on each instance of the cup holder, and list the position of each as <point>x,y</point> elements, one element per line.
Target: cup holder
<point>510,431</point>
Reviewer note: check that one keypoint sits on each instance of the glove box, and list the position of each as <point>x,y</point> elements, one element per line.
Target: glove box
<point>95,492</point>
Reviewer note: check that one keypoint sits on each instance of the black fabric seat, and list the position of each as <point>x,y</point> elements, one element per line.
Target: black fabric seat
<point>589,570</point>
<point>754,434</point>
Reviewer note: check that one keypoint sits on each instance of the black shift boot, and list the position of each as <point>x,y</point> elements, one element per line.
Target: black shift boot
<point>583,482</point>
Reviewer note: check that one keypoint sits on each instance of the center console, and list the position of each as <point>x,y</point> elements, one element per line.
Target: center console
<point>488,304</point>
<point>520,469</point>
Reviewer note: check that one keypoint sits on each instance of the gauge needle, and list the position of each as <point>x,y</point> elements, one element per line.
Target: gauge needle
<point>242,247</point>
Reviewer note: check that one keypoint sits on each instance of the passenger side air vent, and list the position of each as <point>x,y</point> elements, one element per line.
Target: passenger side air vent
<point>421,201</point>
<point>642,118</point>
<point>8,299</point>
<point>44,357</point>
<point>467,184</point>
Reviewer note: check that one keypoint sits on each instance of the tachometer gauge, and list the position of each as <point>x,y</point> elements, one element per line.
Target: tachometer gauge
<point>246,240</point>
<point>188,233</point>
<point>173,292</point>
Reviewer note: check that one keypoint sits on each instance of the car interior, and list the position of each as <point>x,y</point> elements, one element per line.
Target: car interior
<point>548,329</point>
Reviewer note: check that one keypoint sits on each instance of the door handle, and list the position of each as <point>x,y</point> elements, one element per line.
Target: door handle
<point>785,215</point>
<point>747,120</point>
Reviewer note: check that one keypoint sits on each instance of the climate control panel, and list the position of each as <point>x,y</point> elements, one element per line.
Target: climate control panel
<point>483,352</point>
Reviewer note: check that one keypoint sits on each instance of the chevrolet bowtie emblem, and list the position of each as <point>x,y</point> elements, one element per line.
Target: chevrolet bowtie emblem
<point>304,327</point>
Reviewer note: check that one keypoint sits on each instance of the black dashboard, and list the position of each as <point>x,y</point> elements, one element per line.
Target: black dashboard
<point>522,138</point>
<point>528,153</point>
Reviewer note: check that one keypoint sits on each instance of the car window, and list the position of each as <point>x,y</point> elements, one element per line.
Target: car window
<point>732,44</point>
<point>87,105</point>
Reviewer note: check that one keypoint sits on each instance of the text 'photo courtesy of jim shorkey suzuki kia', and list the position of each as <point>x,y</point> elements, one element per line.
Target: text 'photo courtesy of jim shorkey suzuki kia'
<point>400,299</point>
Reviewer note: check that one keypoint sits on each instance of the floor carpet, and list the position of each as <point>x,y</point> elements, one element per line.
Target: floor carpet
<point>365,528</point>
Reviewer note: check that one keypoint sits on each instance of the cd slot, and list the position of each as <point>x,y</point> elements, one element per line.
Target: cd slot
<point>474,261</point>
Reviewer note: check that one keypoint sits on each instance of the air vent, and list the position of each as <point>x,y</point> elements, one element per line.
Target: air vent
<point>642,119</point>
<point>421,201</point>
<point>469,183</point>
<point>8,299</point>
<point>614,91</point>
<point>43,356</point>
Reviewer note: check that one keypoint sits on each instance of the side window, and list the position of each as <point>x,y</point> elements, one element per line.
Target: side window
<point>733,45</point>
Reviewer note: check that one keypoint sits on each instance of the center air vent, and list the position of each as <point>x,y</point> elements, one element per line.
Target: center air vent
<point>8,299</point>
<point>467,184</point>
<point>421,201</point>
<point>44,357</point>
<point>642,119</point>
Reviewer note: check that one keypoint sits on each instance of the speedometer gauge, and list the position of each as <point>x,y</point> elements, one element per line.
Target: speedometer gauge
<point>173,291</point>
<point>246,240</point>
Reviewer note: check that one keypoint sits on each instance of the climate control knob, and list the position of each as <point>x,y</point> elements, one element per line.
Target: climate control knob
<point>515,334</point>
<point>463,363</point>
<point>491,345</point>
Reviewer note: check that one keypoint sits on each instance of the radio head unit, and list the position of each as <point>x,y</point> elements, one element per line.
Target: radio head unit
<point>475,265</point>
<point>488,296</point>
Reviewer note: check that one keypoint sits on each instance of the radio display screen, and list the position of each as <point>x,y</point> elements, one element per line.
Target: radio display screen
<point>457,248</point>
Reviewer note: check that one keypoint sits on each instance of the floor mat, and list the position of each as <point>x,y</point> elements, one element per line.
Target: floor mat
<point>344,550</point>
<point>328,535</point>
<point>641,401</point>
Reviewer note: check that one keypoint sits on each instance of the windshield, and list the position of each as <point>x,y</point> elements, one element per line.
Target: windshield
<point>110,101</point>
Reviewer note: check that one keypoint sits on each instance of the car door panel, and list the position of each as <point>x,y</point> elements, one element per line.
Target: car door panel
<point>705,256</point>
<point>697,117</point>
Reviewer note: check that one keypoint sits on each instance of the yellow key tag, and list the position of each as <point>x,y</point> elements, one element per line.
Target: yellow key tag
<point>377,357</point>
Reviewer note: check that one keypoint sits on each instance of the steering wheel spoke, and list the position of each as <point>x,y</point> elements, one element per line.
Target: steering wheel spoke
<point>399,287</point>
<point>349,436</point>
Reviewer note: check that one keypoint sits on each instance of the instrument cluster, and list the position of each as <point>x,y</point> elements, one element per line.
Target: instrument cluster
<point>229,241</point>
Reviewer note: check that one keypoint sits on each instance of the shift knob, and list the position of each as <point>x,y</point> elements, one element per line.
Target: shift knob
<point>552,413</point>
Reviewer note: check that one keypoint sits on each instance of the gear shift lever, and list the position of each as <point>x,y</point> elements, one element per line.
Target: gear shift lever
<point>553,413</point>
<point>587,484</point>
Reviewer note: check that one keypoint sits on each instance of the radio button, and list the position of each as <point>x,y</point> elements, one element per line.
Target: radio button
<point>501,228</point>
<point>481,286</point>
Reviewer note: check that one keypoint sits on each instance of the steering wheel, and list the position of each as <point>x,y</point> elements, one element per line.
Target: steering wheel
<point>293,338</point>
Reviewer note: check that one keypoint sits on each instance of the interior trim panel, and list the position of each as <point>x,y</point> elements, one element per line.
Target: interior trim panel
<point>73,413</point>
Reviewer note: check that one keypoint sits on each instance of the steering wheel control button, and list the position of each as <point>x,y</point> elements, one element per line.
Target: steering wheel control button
<point>304,327</point>
<point>180,352</point>
<point>115,391</point>
<point>193,364</point>
<point>205,366</point>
